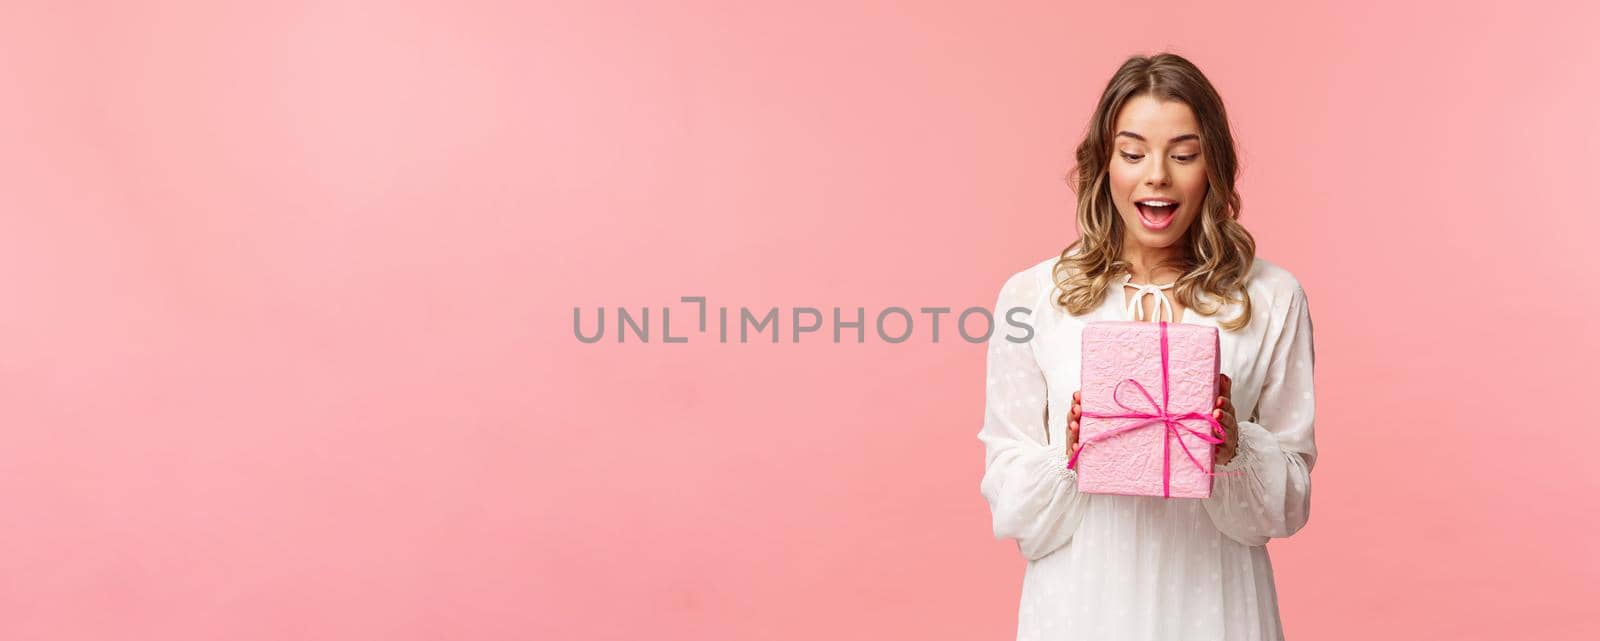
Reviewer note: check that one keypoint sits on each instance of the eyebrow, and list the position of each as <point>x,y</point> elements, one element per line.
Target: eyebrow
<point>1175,139</point>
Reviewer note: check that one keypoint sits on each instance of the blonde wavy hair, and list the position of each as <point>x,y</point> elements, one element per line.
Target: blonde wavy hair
<point>1218,251</point>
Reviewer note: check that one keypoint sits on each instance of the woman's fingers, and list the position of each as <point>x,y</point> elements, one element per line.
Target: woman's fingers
<point>1223,412</point>
<point>1225,400</point>
<point>1072,423</point>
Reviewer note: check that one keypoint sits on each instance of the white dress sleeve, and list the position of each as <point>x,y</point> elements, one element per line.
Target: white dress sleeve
<point>1032,494</point>
<point>1271,497</point>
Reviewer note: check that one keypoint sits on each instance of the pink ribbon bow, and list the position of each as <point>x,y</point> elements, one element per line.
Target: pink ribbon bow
<point>1172,422</point>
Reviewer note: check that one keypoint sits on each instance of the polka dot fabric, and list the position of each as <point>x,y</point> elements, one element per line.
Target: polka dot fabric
<point>1143,568</point>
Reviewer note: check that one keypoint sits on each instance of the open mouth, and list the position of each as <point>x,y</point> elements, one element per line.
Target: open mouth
<point>1156,214</point>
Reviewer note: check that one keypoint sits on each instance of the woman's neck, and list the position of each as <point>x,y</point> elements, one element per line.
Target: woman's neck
<point>1141,260</point>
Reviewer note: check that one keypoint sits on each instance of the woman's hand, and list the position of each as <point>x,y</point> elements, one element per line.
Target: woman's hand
<point>1224,415</point>
<point>1072,425</point>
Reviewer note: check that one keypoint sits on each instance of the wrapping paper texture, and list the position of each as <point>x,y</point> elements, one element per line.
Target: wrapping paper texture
<point>1131,463</point>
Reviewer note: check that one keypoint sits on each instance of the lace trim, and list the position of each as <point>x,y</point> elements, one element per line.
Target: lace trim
<point>1058,464</point>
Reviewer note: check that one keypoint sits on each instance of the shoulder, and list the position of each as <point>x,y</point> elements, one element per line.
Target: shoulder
<point>1030,282</point>
<point>1274,285</point>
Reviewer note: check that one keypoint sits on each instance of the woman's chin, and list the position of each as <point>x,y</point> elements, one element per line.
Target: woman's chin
<point>1159,239</point>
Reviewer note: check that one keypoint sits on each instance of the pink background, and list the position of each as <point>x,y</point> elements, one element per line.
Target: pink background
<point>288,290</point>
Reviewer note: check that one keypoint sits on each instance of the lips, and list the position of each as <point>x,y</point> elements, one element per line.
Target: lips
<point>1156,214</point>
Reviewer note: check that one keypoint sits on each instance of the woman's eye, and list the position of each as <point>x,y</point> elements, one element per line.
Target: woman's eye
<point>1185,158</point>
<point>1130,157</point>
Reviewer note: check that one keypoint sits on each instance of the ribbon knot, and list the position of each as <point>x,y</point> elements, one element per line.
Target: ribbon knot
<point>1135,309</point>
<point>1159,415</point>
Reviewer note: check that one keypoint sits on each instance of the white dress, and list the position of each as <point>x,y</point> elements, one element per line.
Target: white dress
<point>1133,568</point>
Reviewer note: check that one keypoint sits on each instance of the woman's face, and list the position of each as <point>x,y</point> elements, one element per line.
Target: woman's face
<point>1157,172</point>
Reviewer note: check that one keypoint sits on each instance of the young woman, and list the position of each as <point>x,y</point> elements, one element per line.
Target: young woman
<point>1160,240</point>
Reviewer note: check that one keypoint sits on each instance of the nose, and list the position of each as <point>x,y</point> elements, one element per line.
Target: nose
<point>1157,175</point>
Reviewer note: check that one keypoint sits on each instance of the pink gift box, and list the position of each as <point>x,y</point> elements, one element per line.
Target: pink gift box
<point>1136,446</point>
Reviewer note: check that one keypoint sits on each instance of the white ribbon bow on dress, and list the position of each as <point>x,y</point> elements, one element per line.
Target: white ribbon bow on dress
<point>1135,310</point>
